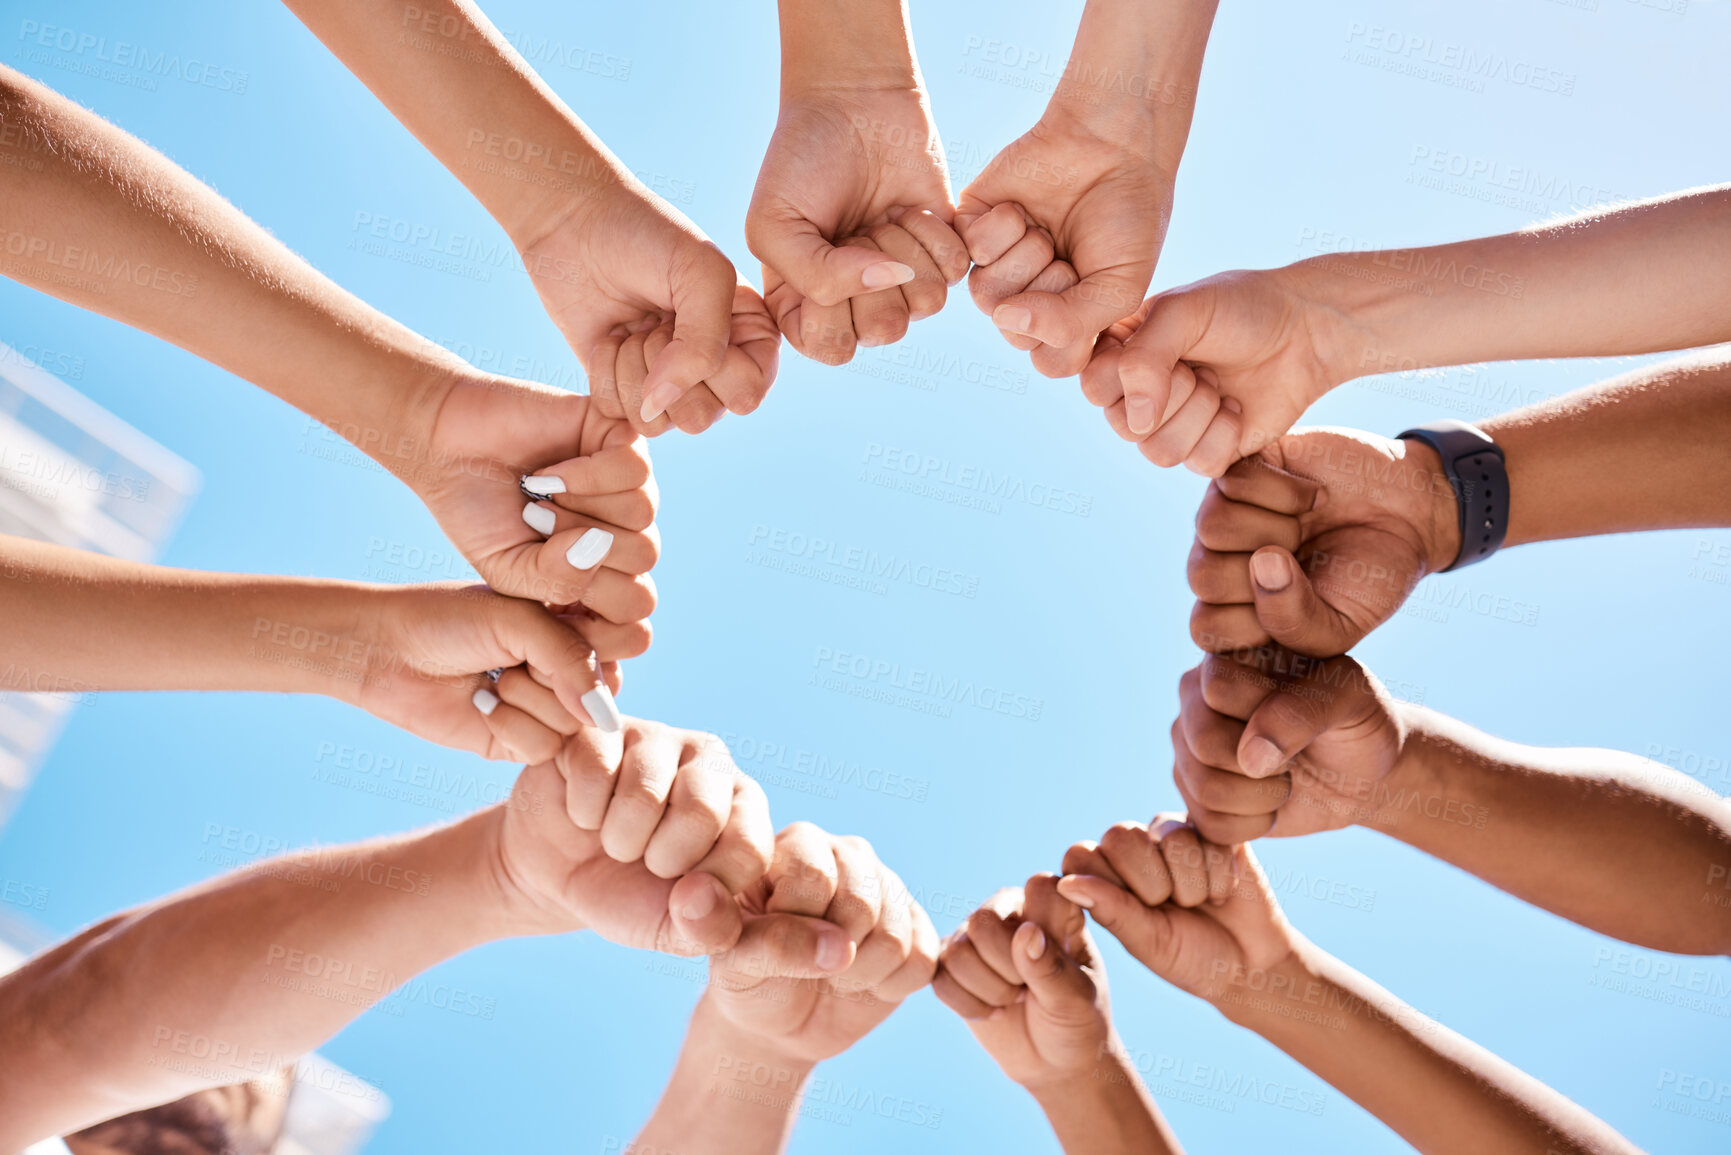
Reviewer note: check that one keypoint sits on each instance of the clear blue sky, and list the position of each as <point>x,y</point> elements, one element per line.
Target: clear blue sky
<point>1308,126</point>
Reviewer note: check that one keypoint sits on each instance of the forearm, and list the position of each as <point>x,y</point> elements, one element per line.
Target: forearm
<point>109,224</point>
<point>1110,1112</point>
<point>1379,1052</point>
<point>1133,74</point>
<point>1642,452</point>
<point>1641,279</point>
<point>239,975</point>
<point>454,81</point>
<point>730,1093</point>
<point>850,42</point>
<point>1612,841</point>
<point>79,621</point>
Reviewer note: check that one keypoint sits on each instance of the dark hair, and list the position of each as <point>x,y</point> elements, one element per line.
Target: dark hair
<point>244,1119</point>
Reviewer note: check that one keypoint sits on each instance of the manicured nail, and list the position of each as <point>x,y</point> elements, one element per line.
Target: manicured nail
<point>656,401</point>
<point>589,549</point>
<point>831,953</point>
<point>540,519</point>
<point>700,904</point>
<point>1270,571</point>
<point>886,275</point>
<point>1013,318</point>
<point>542,485</point>
<point>485,700</point>
<point>1075,893</point>
<point>1139,412</point>
<point>1036,944</point>
<point>1261,756</point>
<point>599,702</point>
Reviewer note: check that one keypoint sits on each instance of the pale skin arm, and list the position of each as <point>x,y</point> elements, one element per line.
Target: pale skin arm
<point>1638,279</point>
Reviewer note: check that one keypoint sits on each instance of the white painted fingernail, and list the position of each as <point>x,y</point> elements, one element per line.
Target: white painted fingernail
<point>599,702</point>
<point>540,519</point>
<point>589,549</point>
<point>542,486</point>
<point>485,700</point>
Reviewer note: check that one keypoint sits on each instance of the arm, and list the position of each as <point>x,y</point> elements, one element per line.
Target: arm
<point>831,944</point>
<point>1026,977</point>
<point>111,225</point>
<point>239,975</point>
<point>1321,537</point>
<point>1065,224</point>
<point>1614,842</point>
<point>1243,957</point>
<point>601,249</point>
<point>414,655</point>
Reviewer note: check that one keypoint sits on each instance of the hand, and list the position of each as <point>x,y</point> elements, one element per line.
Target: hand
<point>1025,975</point>
<point>852,218</point>
<point>1317,541</point>
<point>1193,912</point>
<point>643,837</point>
<point>832,943</point>
<point>1213,371</point>
<point>588,545</point>
<point>1282,746</point>
<point>1064,228</point>
<point>667,332</point>
<point>429,649</point>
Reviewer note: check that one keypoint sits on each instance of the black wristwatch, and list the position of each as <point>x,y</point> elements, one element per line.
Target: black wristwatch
<point>1474,466</point>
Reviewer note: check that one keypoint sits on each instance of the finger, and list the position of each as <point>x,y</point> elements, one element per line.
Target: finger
<point>1053,979</point>
<point>640,790</point>
<point>990,928</point>
<point>1219,861</point>
<point>886,948</point>
<point>803,874</point>
<point>1291,610</point>
<point>1234,689</point>
<point>630,368</point>
<point>741,856</point>
<point>522,736</point>
<point>589,542</point>
<point>1134,855</point>
<point>704,916</point>
<point>589,762</point>
<point>1100,383</point>
<point>1203,732</point>
<point>951,994</point>
<point>1146,932</point>
<point>559,659</point>
<point>1227,526</point>
<point>824,274</point>
<point>990,233</point>
<point>620,597</point>
<point>1067,323</point>
<point>859,891</point>
<point>613,642</point>
<point>924,294</point>
<point>825,333</point>
<point>1174,323</point>
<point>518,688</point>
<point>696,410</point>
<point>879,318</point>
<point>1224,829</point>
<point>1228,793</point>
<point>942,243</point>
<point>696,811</point>
<point>783,946</point>
<point>1086,858</point>
<point>1181,849</point>
<point>1219,578</point>
<point>702,320</point>
<point>1226,629</point>
<point>1011,274</point>
<point>1335,695</point>
<point>617,469</point>
<point>1061,919</point>
<point>921,964</point>
<point>1257,481</point>
<point>962,962</point>
<point>1177,436</point>
<point>1217,448</point>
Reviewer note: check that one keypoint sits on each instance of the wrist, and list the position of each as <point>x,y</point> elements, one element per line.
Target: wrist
<point>1111,1071</point>
<point>719,1035</point>
<point>1289,989</point>
<point>1435,515</point>
<point>519,909</point>
<point>1415,785</point>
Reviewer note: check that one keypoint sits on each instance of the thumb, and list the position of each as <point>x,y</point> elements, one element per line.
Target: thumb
<point>1175,323</point>
<point>816,269</point>
<point>1286,722</point>
<point>792,946</point>
<point>702,322</point>
<point>1068,322</point>
<point>1290,609</point>
<point>1145,931</point>
<point>1053,979</point>
<point>704,917</point>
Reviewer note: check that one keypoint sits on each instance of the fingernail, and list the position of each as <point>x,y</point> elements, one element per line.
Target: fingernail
<point>1036,944</point>
<point>588,550</point>
<point>897,212</point>
<point>599,702</point>
<point>1231,405</point>
<point>1166,826</point>
<point>1075,893</point>
<point>539,518</point>
<point>831,951</point>
<point>485,700</point>
<point>700,904</point>
<point>1013,318</point>
<point>656,401</point>
<point>1270,571</point>
<point>1261,756</point>
<point>1139,412</point>
<point>542,485</point>
<point>886,275</point>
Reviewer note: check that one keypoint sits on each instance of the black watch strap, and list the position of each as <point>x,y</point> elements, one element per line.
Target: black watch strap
<point>1474,466</point>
